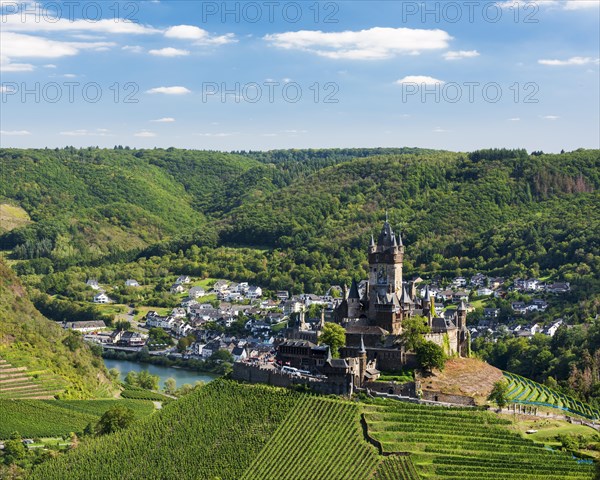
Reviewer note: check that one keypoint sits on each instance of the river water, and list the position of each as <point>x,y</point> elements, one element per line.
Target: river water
<point>180,375</point>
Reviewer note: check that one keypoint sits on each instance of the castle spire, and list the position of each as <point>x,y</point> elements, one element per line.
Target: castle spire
<point>362,345</point>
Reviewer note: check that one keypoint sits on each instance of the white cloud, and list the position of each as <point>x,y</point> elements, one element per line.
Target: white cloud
<point>460,54</point>
<point>372,44</point>
<point>550,117</point>
<point>570,61</point>
<point>439,130</point>
<point>49,65</point>
<point>514,119</point>
<point>7,66</point>
<point>581,4</point>
<point>42,22</point>
<point>199,35</point>
<point>419,79</point>
<point>82,132</point>
<point>220,134</point>
<point>144,134</point>
<point>132,48</point>
<point>15,133</point>
<point>169,52</point>
<point>164,120</point>
<point>295,131</point>
<point>169,90</point>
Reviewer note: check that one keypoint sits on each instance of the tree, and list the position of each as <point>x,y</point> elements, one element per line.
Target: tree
<point>499,394</point>
<point>170,385</point>
<point>413,329</point>
<point>14,450</point>
<point>131,379</point>
<point>430,355</point>
<point>333,335</point>
<point>123,325</point>
<point>147,380</point>
<point>114,374</point>
<point>115,419</point>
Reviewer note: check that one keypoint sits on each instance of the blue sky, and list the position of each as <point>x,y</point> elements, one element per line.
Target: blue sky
<point>263,75</point>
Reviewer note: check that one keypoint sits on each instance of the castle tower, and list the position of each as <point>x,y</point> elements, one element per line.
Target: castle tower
<point>362,356</point>
<point>427,306</point>
<point>461,316</point>
<point>354,301</point>
<point>385,279</point>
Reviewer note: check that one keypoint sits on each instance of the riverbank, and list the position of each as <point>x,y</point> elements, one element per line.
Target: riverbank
<point>214,368</point>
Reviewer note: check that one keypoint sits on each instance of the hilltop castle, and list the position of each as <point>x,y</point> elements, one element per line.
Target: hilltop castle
<point>376,308</point>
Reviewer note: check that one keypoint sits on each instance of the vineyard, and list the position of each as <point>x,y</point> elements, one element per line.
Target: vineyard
<point>461,443</point>
<point>215,431</point>
<point>17,382</point>
<point>321,438</point>
<point>237,431</point>
<point>53,418</point>
<point>396,467</point>
<point>142,394</point>
<point>525,391</point>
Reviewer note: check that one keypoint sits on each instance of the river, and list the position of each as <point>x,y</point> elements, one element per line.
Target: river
<point>180,375</point>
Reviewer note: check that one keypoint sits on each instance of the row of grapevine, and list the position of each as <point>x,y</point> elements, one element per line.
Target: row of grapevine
<point>215,431</point>
<point>52,418</point>
<point>144,395</point>
<point>396,467</point>
<point>525,391</point>
<point>461,443</point>
<point>321,438</point>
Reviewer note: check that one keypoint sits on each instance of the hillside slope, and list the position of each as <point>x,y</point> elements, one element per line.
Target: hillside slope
<point>233,431</point>
<point>40,350</point>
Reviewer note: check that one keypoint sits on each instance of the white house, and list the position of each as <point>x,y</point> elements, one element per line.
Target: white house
<point>93,283</point>
<point>177,288</point>
<point>102,298</point>
<point>484,292</point>
<point>183,279</point>
<point>254,292</point>
<point>196,292</point>
<point>551,330</point>
<point>459,282</point>
<point>130,282</point>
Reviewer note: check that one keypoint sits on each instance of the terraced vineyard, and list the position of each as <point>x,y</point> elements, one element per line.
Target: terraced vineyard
<point>525,391</point>
<point>52,418</point>
<point>396,467</point>
<point>17,382</point>
<point>321,438</point>
<point>459,443</point>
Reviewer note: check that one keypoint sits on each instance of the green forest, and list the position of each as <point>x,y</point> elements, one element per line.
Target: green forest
<point>301,220</point>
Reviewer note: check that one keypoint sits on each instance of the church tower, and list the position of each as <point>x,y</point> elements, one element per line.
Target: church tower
<point>385,280</point>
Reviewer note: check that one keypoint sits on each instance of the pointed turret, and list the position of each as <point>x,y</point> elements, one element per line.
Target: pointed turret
<point>462,307</point>
<point>400,244</point>
<point>354,291</point>
<point>363,350</point>
<point>372,244</point>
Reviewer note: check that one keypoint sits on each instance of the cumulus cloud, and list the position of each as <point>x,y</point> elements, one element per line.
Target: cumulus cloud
<point>44,23</point>
<point>18,45</point>
<point>15,133</point>
<point>372,44</point>
<point>550,117</point>
<point>460,54</point>
<point>419,79</point>
<point>82,132</point>
<point>198,35</point>
<point>164,120</point>
<point>132,48</point>
<point>570,62</point>
<point>144,134</point>
<point>220,134</point>
<point>514,119</point>
<point>177,90</point>
<point>169,52</point>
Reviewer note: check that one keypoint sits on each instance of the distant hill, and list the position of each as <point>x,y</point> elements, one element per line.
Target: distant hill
<point>38,359</point>
<point>234,431</point>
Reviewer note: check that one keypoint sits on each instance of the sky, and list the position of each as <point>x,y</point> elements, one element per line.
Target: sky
<point>260,75</point>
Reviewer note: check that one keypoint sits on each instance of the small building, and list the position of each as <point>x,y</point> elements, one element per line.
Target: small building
<point>85,326</point>
<point>130,282</point>
<point>183,279</point>
<point>254,292</point>
<point>484,292</point>
<point>102,298</point>
<point>177,288</point>
<point>93,283</point>
<point>196,292</point>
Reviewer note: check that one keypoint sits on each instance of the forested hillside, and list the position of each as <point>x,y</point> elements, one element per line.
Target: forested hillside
<point>51,358</point>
